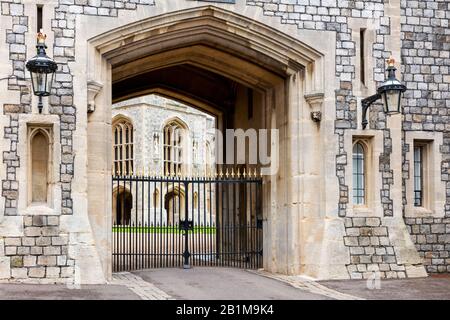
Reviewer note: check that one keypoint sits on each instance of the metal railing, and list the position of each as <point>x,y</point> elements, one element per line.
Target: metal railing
<point>176,221</point>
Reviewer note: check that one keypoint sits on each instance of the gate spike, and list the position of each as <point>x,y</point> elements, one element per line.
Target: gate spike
<point>232,173</point>
<point>255,174</point>
<point>209,173</point>
<point>244,174</point>
<point>179,172</point>
<point>220,173</point>
<point>238,172</point>
<point>226,173</point>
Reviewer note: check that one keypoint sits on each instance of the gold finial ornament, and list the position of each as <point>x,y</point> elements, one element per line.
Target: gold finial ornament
<point>255,174</point>
<point>41,37</point>
<point>391,62</point>
<point>244,174</point>
<point>232,172</point>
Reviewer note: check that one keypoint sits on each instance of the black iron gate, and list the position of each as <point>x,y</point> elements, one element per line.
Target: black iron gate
<point>176,221</point>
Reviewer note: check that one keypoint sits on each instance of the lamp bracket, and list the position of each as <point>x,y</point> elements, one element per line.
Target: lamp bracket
<point>366,103</point>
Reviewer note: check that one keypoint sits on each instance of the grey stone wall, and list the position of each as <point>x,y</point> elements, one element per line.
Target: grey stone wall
<point>425,57</point>
<point>333,15</point>
<point>15,39</point>
<point>61,101</point>
<point>371,250</point>
<point>426,72</point>
<point>367,253</point>
<point>42,252</point>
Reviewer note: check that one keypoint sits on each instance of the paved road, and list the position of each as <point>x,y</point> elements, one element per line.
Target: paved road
<point>222,284</point>
<point>431,288</point>
<point>226,283</point>
<point>61,292</point>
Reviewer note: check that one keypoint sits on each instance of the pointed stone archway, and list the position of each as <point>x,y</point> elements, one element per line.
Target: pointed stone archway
<point>283,70</point>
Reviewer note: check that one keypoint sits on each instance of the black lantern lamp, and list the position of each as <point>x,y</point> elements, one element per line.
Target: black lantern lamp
<point>390,92</point>
<point>42,70</point>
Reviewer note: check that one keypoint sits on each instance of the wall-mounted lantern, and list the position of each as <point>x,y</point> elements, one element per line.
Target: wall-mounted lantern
<point>42,70</point>
<point>390,92</point>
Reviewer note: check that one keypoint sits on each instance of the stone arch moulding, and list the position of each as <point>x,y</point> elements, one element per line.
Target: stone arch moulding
<point>274,50</point>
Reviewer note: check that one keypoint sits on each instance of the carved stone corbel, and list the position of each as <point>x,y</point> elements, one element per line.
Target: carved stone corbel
<point>315,101</point>
<point>93,88</point>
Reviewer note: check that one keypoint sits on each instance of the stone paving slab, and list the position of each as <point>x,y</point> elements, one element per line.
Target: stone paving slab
<point>62,292</point>
<point>202,283</point>
<point>308,285</point>
<point>145,290</point>
<point>431,288</point>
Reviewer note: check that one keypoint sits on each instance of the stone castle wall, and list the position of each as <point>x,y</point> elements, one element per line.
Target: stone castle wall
<point>426,73</point>
<point>32,246</point>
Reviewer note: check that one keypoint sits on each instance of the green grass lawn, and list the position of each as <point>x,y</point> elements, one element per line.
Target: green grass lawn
<point>173,229</point>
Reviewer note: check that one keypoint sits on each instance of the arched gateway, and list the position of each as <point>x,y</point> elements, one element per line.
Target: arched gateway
<point>291,72</point>
<point>212,58</point>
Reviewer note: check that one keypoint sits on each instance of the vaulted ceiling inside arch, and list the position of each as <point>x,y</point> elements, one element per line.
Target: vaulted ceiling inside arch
<point>187,80</point>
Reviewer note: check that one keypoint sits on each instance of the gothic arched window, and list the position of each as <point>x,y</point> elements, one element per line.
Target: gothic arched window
<point>123,152</point>
<point>174,132</point>
<point>359,173</point>
<point>40,160</point>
